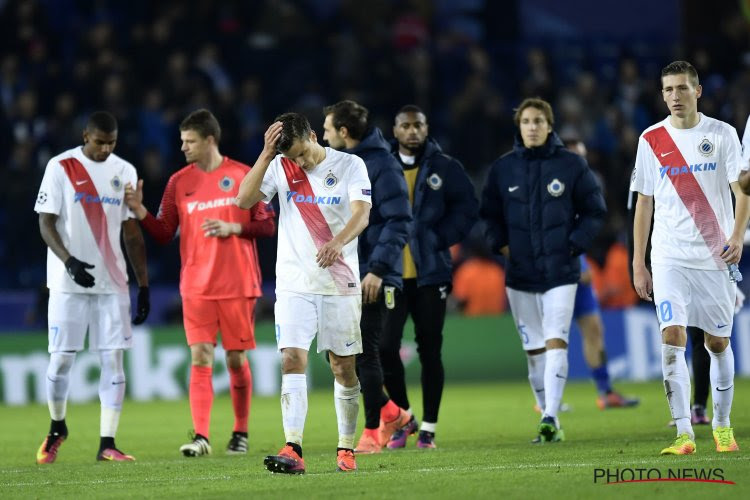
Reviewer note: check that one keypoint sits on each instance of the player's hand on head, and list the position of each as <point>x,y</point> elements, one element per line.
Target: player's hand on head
<point>143,306</point>
<point>271,137</point>
<point>643,284</point>
<point>216,228</point>
<point>77,271</point>
<point>371,288</point>
<point>328,253</point>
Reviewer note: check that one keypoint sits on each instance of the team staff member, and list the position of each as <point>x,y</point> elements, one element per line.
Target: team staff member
<point>444,209</point>
<point>220,277</point>
<point>543,208</point>
<point>379,251</point>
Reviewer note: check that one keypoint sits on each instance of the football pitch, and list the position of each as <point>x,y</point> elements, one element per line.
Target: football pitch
<point>483,452</point>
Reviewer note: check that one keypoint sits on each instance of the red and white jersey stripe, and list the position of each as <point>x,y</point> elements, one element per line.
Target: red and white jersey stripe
<point>88,197</point>
<point>688,172</point>
<point>314,206</point>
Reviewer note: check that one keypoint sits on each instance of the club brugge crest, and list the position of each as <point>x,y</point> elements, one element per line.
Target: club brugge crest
<point>116,183</point>
<point>556,188</point>
<point>435,182</point>
<point>330,181</point>
<point>706,148</point>
<point>226,183</point>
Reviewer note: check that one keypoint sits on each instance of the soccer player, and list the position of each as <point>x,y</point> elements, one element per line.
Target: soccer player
<point>81,216</point>
<point>684,169</point>
<point>220,276</point>
<point>543,208</point>
<point>379,251</point>
<point>325,204</point>
<point>589,320</point>
<point>445,209</point>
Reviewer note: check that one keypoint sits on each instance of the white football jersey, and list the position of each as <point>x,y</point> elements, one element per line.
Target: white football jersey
<point>315,206</point>
<point>88,197</point>
<point>688,172</point>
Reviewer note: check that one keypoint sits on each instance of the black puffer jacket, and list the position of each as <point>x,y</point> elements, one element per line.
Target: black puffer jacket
<point>382,242</point>
<point>445,209</point>
<point>545,204</point>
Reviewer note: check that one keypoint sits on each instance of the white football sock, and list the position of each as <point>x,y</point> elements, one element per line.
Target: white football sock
<point>428,426</point>
<point>722,385</point>
<point>346,400</point>
<point>294,406</point>
<point>677,386</point>
<point>111,390</point>
<point>555,376</point>
<point>58,383</point>
<point>536,364</point>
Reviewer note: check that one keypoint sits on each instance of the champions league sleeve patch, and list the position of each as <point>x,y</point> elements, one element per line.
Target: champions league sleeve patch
<point>367,192</point>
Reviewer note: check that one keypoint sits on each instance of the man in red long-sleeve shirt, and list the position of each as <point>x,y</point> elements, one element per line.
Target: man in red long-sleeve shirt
<point>220,277</point>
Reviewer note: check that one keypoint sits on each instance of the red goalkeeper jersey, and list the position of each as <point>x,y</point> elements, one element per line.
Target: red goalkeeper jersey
<point>212,267</point>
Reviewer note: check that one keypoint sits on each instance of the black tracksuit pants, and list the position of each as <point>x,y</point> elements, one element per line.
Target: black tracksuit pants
<point>369,369</point>
<point>426,304</point>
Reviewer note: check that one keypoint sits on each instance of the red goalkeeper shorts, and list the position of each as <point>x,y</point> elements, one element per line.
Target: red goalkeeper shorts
<point>234,318</point>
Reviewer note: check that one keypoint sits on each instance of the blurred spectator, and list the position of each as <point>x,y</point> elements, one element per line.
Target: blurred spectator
<point>479,284</point>
<point>467,63</point>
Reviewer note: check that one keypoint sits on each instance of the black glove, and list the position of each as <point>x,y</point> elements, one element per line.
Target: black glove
<point>77,271</point>
<point>143,307</point>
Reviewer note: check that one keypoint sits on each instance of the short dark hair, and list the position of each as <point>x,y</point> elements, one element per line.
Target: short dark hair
<point>538,103</point>
<point>349,114</point>
<point>204,122</point>
<point>102,121</point>
<point>411,108</point>
<point>681,68</point>
<point>295,126</point>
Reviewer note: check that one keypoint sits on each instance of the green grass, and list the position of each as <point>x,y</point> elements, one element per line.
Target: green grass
<point>483,439</point>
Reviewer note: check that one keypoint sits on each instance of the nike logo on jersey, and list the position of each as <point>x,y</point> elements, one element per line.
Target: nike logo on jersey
<point>349,344</point>
<point>724,390</point>
<point>191,193</point>
<point>665,154</point>
<point>295,181</point>
<point>78,183</point>
<point>686,169</point>
<point>721,326</point>
<point>512,188</point>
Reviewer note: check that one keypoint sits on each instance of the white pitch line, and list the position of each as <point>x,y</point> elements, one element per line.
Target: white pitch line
<point>439,470</point>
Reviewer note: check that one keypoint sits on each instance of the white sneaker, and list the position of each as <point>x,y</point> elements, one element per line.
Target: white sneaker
<point>197,448</point>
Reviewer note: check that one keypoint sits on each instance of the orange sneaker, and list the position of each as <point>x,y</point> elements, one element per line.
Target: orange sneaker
<point>368,442</point>
<point>114,455</point>
<point>615,400</point>
<point>286,462</point>
<point>345,461</point>
<point>47,452</point>
<point>386,429</point>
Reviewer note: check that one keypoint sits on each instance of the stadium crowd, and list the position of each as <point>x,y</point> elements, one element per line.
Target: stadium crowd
<point>150,63</point>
